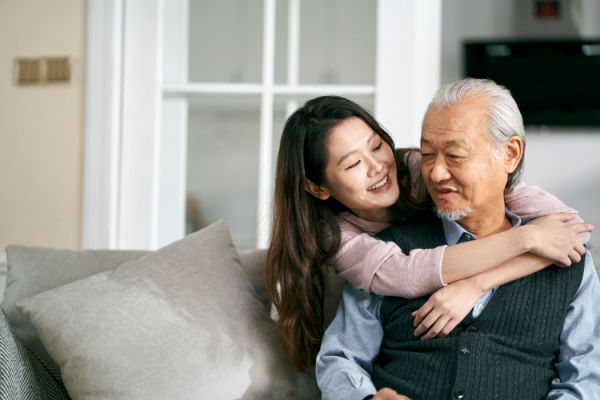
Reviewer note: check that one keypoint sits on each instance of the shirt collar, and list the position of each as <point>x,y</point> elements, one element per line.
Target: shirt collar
<point>454,231</point>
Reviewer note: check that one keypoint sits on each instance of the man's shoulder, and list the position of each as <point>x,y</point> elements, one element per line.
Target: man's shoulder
<point>427,233</point>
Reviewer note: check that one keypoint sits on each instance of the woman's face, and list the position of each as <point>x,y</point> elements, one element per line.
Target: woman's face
<point>361,170</point>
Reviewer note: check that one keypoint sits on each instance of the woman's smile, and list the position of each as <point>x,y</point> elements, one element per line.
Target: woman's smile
<point>381,186</point>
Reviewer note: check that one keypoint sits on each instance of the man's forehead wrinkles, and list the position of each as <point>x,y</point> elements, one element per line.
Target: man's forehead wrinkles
<point>437,128</point>
<point>434,135</point>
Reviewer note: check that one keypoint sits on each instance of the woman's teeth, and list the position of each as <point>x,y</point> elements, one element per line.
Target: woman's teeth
<point>380,184</point>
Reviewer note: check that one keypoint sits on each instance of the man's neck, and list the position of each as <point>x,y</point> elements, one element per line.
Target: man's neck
<point>486,223</point>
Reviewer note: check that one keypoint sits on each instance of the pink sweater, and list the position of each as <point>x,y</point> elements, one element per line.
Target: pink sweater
<point>376,266</point>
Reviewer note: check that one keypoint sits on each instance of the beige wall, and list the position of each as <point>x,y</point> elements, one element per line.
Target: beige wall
<point>41,127</point>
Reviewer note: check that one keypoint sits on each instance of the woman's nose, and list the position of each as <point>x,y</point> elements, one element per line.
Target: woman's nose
<point>375,166</point>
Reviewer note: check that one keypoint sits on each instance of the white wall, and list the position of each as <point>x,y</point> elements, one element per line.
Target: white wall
<point>562,161</point>
<point>568,165</point>
<point>41,127</point>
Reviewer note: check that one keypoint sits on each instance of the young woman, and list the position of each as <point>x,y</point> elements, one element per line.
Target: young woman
<point>339,182</point>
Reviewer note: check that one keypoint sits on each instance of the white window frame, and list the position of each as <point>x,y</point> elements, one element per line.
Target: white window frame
<point>134,178</point>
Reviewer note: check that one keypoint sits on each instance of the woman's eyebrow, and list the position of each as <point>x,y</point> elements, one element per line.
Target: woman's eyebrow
<point>348,154</point>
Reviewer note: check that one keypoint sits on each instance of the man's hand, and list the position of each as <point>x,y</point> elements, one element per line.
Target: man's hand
<point>388,394</point>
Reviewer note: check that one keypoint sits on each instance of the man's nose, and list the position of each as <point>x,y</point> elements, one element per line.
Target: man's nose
<point>439,171</point>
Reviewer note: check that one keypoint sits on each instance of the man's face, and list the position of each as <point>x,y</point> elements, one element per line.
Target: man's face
<point>461,167</point>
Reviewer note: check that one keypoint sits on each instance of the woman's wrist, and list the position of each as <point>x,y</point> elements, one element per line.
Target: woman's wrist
<point>527,237</point>
<point>479,282</point>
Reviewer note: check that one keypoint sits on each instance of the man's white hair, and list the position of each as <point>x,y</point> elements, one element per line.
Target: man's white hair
<point>504,117</point>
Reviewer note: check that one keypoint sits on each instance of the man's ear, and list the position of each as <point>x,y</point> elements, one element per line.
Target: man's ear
<point>513,152</point>
<point>320,192</point>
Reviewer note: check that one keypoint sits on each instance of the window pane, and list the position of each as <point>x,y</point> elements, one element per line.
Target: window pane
<point>281,41</point>
<point>337,42</point>
<point>222,165</point>
<point>225,40</point>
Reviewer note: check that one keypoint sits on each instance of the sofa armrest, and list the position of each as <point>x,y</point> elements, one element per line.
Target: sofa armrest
<point>22,376</point>
<point>253,262</point>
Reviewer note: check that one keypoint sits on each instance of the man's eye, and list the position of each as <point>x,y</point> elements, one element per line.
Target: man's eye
<point>426,155</point>
<point>454,156</point>
<point>353,165</point>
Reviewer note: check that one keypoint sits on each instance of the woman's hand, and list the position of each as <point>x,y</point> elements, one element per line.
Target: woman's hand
<point>388,394</point>
<point>555,240</point>
<point>446,308</point>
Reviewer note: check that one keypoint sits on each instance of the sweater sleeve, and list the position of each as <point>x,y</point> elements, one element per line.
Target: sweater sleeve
<point>380,267</point>
<point>531,202</point>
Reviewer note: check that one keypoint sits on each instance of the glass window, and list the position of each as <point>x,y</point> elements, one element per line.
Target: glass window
<point>222,165</point>
<point>337,42</point>
<point>225,41</point>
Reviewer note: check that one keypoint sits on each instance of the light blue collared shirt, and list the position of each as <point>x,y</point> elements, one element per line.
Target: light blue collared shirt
<point>352,341</point>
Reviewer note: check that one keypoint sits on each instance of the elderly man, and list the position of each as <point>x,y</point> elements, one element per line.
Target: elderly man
<point>534,338</point>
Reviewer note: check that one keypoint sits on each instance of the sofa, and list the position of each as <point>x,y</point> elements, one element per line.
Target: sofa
<point>188,321</point>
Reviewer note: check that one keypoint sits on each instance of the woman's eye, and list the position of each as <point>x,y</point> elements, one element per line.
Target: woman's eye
<point>378,146</point>
<point>353,165</point>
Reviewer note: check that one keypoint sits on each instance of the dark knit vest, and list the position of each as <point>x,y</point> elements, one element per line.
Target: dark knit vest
<point>508,352</point>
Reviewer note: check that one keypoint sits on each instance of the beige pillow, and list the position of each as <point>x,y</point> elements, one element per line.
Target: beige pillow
<point>180,323</point>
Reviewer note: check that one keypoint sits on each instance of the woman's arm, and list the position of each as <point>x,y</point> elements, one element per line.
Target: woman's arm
<point>376,266</point>
<point>547,237</point>
<point>380,267</point>
<point>444,310</point>
<point>531,202</point>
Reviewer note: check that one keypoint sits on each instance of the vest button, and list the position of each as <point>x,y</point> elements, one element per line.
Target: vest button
<point>459,394</point>
<point>465,351</point>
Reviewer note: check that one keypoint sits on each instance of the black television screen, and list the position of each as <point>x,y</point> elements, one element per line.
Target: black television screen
<point>553,82</point>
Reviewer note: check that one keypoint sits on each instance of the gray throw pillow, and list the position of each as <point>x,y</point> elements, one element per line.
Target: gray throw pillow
<point>32,270</point>
<point>180,323</point>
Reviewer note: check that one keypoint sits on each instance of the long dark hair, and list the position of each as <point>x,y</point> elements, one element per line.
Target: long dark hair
<point>305,233</point>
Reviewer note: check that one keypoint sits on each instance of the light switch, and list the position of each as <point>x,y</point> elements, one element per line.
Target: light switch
<point>28,70</point>
<point>44,70</point>
<point>58,69</point>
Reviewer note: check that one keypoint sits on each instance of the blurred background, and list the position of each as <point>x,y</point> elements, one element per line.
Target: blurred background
<point>129,123</point>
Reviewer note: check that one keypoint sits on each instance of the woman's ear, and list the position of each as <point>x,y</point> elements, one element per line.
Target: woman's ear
<point>320,192</point>
<point>513,153</point>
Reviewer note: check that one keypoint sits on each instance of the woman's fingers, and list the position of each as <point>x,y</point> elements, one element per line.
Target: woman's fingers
<point>431,319</point>
<point>565,261</point>
<point>436,328</point>
<point>582,227</point>
<point>580,248</point>
<point>574,256</point>
<point>421,313</point>
<point>565,217</point>
<point>450,325</point>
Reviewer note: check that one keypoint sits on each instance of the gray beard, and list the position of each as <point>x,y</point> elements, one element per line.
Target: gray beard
<point>453,215</point>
